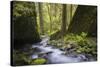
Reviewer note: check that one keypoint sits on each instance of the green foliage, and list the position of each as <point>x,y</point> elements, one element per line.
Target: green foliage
<point>51,16</point>
<point>75,37</point>
<point>82,43</point>
<point>23,9</point>
<point>83,34</point>
<point>20,58</point>
<point>38,61</point>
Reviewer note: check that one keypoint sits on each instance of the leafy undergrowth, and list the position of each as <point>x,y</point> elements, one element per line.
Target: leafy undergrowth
<point>20,58</point>
<point>80,43</point>
<point>23,58</point>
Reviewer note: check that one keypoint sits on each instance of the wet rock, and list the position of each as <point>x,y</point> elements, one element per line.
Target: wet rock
<point>44,53</point>
<point>62,49</point>
<point>82,57</point>
<point>36,49</point>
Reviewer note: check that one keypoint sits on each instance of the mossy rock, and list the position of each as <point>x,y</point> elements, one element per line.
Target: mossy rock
<point>38,61</point>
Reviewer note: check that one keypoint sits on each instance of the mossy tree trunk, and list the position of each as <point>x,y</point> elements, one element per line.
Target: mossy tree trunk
<point>41,18</point>
<point>84,20</point>
<point>24,25</point>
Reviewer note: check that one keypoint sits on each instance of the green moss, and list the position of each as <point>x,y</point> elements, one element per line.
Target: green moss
<point>39,61</point>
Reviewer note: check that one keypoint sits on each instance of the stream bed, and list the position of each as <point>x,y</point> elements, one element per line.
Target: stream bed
<point>55,55</point>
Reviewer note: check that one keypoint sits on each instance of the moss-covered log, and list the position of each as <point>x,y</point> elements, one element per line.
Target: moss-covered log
<point>24,24</point>
<point>84,20</point>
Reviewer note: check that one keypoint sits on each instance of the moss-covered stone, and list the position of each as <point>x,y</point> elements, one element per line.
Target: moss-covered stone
<point>38,61</point>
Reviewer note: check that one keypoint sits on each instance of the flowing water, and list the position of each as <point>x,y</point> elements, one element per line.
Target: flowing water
<point>55,55</point>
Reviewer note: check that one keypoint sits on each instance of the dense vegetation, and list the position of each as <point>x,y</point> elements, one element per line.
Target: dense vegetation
<point>68,26</point>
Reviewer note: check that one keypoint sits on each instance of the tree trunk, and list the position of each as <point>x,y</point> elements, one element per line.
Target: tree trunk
<point>84,20</point>
<point>71,6</point>
<point>62,32</point>
<point>24,27</point>
<point>41,18</point>
<point>64,17</point>
<point>50,14</point>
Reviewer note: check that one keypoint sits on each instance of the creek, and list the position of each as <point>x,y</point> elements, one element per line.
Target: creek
<point>55,55</point>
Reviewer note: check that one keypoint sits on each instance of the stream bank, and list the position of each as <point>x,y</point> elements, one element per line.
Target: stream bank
<point>45,53</point>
